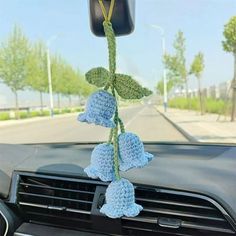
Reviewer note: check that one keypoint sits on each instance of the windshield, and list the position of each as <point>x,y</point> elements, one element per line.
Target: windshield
<point>182,50</point>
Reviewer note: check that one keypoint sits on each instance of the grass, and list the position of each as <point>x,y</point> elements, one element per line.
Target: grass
<point>4,116</point>
<point>57,112</point>
<point>210,105</point>
<point>24,114</point>
<point>35,114</point>
<point>215,106</point>
<point>79,109</point>
<point>66,110</point>
<point>31,114</point>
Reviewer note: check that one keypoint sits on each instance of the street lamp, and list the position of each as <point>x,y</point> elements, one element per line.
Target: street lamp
<point>50,40</point>
<point>161,30</point>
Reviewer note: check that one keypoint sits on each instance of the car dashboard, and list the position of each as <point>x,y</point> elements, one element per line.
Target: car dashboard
<point>188,189</point>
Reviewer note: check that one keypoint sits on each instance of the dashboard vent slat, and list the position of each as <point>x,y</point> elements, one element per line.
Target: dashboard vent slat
<point>182,214</point>
<point>55,208</point>
<point>174,203</point>
<point>207,228</point>
<point>54,188</point>
<point>54,197</point>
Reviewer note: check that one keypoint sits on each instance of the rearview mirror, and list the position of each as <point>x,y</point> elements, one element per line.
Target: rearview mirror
<point>122,17</point>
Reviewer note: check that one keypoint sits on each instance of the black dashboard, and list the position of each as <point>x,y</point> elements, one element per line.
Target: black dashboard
<point>188,189</point>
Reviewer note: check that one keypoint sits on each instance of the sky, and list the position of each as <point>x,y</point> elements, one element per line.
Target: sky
<point>140,53</point>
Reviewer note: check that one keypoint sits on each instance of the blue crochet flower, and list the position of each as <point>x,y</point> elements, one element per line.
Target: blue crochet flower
<point>100,108</point>
<point>101,163</point>
<point>120,200</point>
<point>131,152</point>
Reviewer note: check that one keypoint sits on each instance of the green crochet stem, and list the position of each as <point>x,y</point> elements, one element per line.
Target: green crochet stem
<point>111,46</point>
<point>122,127</point>
<point>110,136</point>
<point>116,147</point>
<point>107,86</point>
<point>111,39</point>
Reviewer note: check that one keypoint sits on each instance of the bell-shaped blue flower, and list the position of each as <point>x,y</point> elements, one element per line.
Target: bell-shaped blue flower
<point>131,152</point>
<point>120,200</point>
<point>100,108</point>
<point>101,165</point>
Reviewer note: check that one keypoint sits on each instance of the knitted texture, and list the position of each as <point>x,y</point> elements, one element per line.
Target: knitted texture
<point>120,200</point>
<point>100,108</point>
<point>101,163</point>
<point>109,32</point>
<point>132,152</point>
<point>128,88</point>
<point>98,76</point>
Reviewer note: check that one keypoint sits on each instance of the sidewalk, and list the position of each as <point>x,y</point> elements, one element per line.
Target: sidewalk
<point>204,128</point>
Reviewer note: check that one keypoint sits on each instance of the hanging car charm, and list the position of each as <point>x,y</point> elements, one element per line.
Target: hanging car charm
<point>122,151</point>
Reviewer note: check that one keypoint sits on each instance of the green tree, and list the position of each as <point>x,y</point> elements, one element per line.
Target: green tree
<point>176,63</point>
<point>196,69</point>
<point>37,78</point>
<point>57,67</point>
<point>229,45</point>
<point>86,88</point>
<point>81,86</point>
<point>70,82</point>
<point>171,83</point>
<point>14,56</point>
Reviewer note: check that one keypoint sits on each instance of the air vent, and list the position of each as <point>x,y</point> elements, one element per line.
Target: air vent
<point>176,213</point>
<point>55,201</point>
<point>74,203</point>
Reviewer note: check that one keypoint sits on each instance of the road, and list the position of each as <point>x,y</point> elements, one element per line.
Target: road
<point>143,120</point>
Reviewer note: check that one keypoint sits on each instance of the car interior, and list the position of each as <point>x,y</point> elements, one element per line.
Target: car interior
<point>187,189</point>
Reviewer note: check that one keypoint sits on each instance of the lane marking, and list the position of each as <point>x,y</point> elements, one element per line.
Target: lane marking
<point>134,117</point>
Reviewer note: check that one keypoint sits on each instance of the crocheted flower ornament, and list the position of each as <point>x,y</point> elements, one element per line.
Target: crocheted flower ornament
<point>125,149</point>
<point>100,108</point>
<point>120,200</point>
<point>131,152</point>
<point>101,163</point>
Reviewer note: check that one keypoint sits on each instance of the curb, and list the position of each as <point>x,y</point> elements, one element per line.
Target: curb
<point>182,131</point>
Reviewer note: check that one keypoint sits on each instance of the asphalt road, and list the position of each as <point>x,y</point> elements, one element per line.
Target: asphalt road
<point>143,120</point>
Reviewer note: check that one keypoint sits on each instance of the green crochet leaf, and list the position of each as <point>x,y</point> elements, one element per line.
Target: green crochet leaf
<point>98,76</point>
<point>128,88</point>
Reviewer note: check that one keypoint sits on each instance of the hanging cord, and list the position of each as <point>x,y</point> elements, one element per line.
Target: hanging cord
<point>104,12</point>
<point>112,67</point>
<point>109,32</point>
